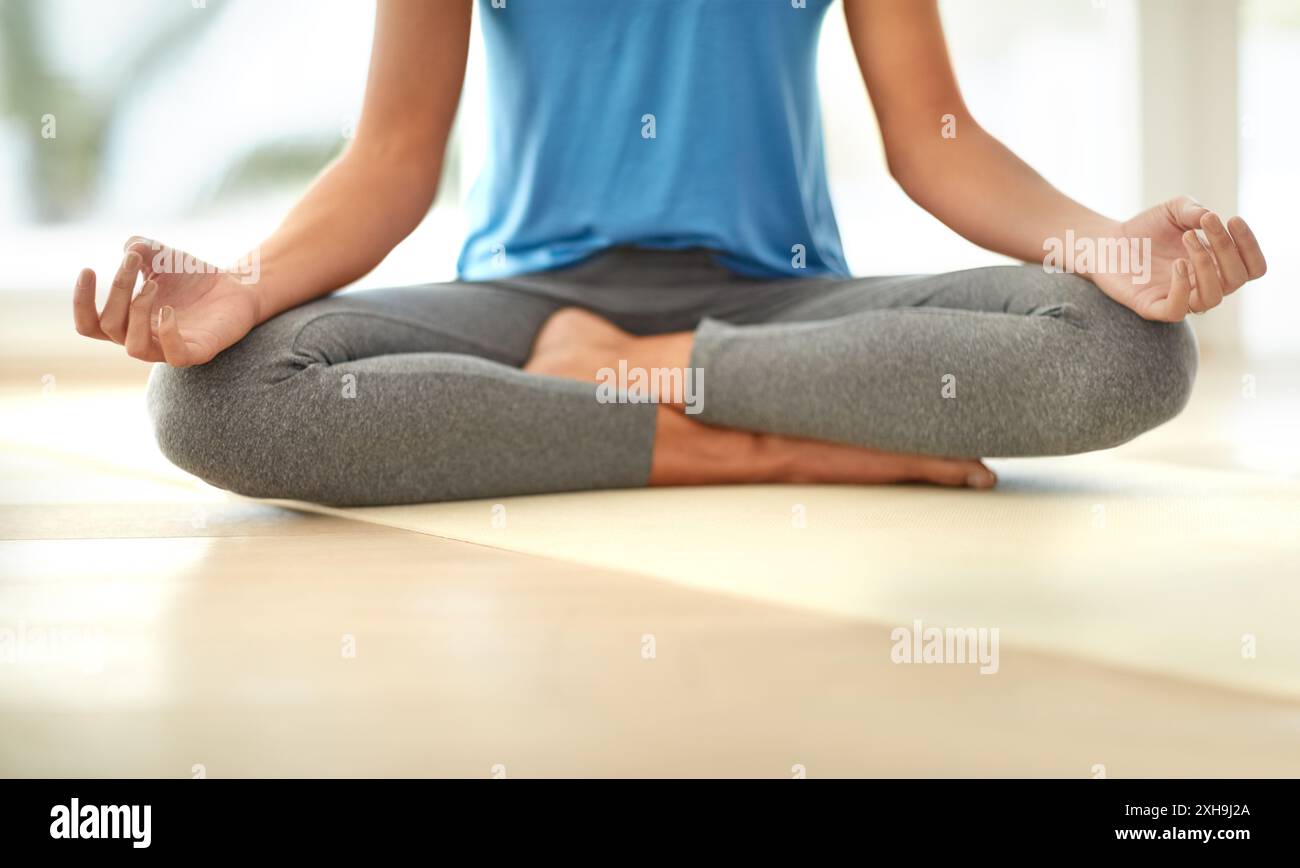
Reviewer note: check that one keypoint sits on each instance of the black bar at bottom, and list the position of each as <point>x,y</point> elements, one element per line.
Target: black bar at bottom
<point>301,816</point>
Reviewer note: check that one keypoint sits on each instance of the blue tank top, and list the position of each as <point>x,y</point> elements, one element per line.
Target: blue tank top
<point>654,123</point>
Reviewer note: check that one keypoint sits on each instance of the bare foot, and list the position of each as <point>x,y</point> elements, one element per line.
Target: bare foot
<point>687,452</point>
<point>576,344</point>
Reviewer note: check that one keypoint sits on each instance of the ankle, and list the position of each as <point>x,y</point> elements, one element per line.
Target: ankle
<point>687,452</point>
<point>773,459</point>
<point>666,359</point>
<point>671,351</point>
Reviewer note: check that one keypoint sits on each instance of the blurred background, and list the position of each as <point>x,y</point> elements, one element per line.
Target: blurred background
<point>199,121</point>
<point>217,618</point>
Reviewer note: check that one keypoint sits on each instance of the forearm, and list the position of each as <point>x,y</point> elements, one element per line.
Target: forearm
<point>978,188</point>
<point>357,211</point>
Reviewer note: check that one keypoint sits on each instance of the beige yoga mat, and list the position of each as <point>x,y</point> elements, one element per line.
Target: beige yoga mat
<point>1119,557</point>
<point>1170,569</point>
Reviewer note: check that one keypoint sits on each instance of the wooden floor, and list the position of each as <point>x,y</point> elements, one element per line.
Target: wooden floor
<point>150,625</point>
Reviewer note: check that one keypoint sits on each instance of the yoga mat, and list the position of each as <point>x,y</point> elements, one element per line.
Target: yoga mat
<point>1124,557</point>
<point>1177,570</point>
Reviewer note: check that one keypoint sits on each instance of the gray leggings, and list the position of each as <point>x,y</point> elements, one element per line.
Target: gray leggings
<point>416,394</point>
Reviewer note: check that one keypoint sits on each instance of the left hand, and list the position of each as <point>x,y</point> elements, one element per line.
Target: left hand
<point>1185,275</point>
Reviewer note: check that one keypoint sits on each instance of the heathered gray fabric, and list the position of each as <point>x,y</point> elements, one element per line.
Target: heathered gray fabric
<point>1035,364</point>
<point>415,394</point>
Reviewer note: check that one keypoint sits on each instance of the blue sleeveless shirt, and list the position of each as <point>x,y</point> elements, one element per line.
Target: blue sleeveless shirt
<point>655,123</point>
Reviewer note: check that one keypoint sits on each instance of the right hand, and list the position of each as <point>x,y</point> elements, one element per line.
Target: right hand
<point>179,318</point>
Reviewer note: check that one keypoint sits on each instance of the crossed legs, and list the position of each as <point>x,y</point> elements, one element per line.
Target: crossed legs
<point>467,391</point>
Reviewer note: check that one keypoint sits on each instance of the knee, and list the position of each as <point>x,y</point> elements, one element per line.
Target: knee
<point>259,428</point>
<point>189,426</point>
<point>209,421</point>
<point>1140,376</point>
